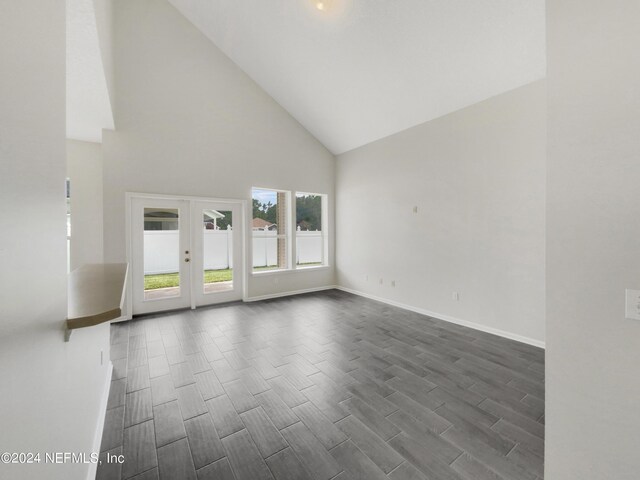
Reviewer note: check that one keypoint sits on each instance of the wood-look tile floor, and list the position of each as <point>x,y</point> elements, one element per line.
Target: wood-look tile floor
<point>320,386</point>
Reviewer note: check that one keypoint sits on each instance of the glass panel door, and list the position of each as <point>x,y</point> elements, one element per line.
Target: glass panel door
<point>217,246</point>
<point>160,254</point>
<point>217,242</point>
<point>185,253</point>
<point>161,247</point>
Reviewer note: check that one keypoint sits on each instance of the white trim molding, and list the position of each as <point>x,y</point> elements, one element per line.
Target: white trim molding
<point>102,413</point>
<point>448,318</point>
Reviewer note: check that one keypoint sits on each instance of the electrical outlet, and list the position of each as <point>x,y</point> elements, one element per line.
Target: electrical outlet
<point>632,304</point>
<point>381,281</point>
<point>455,296</point>
<point>415,209</point>
<point>393,283</point>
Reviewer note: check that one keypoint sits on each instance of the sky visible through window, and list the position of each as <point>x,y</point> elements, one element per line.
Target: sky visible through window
<point>265,196</point>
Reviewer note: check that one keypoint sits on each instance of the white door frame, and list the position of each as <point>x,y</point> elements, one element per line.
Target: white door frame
<point>198,296</point>
<point>183,297</point>
<point>129,196</point>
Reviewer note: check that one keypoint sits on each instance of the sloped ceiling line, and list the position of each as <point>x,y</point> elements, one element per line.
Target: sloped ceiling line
<point>364,70</point>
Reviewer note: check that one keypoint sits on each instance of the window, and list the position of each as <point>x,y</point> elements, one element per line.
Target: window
<point>217,250</point>
<point>161,247</point>
<point>270,229</point>
<point>68,194</point>
<point>161,219</point>
<point>310,234</point>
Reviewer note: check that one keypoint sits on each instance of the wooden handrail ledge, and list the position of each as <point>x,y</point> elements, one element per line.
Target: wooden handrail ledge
<point>96,294</point>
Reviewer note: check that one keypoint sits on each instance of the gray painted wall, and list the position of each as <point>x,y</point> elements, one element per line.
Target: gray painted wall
<point>190,122</point>
<point>51,391</point>
<point>593,240</point>
<point>84,169</point>
<point>477,177</point>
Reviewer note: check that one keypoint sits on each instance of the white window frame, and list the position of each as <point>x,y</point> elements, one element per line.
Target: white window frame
<point>290,234</point>
<point>67,187</point>
<point>286,235</point>
<point>324,230</point>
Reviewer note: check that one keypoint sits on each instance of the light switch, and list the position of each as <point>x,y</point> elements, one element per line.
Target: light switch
<point>632,310</point>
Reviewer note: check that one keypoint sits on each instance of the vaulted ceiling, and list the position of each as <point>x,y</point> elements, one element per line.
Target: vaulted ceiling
<point>364,69</point>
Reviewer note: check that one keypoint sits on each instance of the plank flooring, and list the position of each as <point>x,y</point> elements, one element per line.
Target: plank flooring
<point>323,386</point>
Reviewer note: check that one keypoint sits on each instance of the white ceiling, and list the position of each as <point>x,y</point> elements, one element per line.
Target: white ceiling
<point>365,69</point>
<point>88,106</point>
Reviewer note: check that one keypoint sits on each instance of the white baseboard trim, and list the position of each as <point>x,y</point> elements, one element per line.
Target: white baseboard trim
<point>448,318</point>
<point>93,467</point>
<point>287,294</point>
<point>439,316</point>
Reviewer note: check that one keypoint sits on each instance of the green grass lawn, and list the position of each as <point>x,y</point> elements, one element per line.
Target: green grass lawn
<point>164,280</point>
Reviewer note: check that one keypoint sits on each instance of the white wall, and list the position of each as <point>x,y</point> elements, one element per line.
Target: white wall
<point>477,177</point>
<point>50,390</point>
<point>84,169</point>
<point>190,122</point>
<point>593,240</point>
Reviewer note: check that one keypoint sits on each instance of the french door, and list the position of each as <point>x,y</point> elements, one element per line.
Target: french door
<point>216,239</point>
<point>185,252</point>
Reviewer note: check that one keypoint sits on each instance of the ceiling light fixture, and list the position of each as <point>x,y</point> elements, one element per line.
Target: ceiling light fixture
<point>322,5</point>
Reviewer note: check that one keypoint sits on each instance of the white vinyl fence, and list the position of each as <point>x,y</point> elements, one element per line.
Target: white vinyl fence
<point>218,249</point>
<point>162,253</point>
<point>309,247</point>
